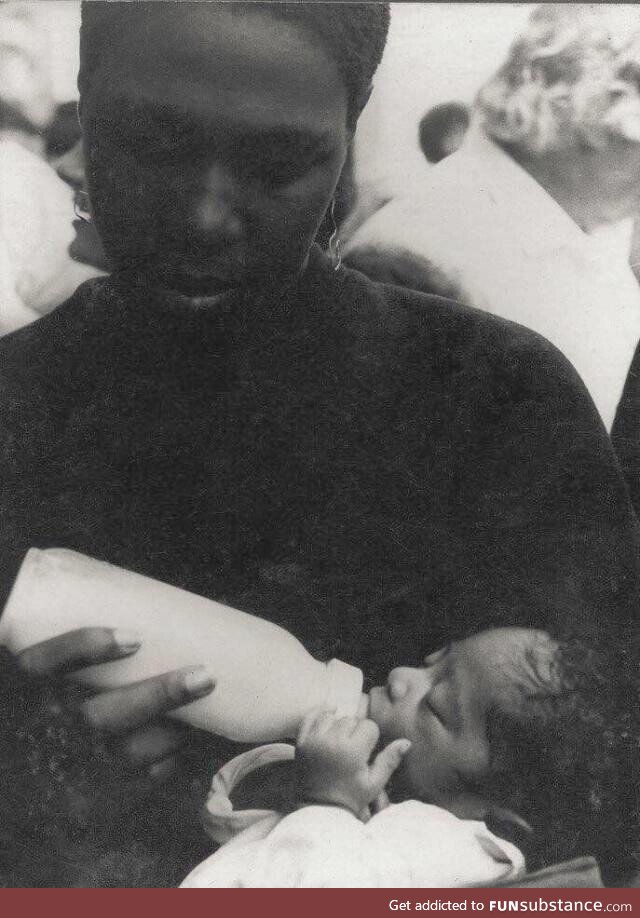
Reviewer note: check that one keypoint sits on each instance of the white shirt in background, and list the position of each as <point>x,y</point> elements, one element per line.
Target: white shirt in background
<point>502,242</point>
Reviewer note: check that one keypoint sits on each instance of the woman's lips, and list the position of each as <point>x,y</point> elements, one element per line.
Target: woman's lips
<point>199,273</point>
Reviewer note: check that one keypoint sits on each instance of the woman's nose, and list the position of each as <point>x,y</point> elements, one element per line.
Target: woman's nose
<point>217,207</point>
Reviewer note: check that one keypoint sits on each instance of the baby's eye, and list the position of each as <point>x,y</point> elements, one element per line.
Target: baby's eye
<point>431,705</point>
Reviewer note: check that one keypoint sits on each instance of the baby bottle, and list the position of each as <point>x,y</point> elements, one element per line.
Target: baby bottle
<point>265,679</point>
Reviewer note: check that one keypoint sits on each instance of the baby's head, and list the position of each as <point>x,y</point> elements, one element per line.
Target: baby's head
<point>512,725</point>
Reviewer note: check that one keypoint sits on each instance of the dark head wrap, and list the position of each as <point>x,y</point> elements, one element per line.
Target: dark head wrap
<point>354,34</point>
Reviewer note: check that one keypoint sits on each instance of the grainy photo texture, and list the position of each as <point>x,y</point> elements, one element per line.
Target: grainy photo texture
<point>319,444</point>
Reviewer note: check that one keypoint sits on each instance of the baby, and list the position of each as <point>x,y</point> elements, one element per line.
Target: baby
<point>508,728</point>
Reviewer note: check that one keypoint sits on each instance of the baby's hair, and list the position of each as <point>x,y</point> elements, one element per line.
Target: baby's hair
<point>564,758</point>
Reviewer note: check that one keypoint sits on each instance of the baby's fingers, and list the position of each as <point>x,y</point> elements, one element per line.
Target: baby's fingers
<point>365,736</point>
<point>315,722</point>
<point>386,763</point>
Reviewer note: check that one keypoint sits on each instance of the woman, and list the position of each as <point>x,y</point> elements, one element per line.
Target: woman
<point>232,413</point>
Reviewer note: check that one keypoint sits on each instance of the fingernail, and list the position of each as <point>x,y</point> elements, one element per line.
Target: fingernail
<point>198,681</point>
<point>405,746</point>
<point>127,640</point>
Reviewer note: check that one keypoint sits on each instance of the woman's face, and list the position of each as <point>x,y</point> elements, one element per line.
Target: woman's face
<point>215,141</point>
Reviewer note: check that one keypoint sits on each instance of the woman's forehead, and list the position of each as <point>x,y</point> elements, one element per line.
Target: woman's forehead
<point>210,59</point>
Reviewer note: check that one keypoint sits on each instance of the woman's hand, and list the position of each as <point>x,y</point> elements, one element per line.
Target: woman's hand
<point>133,714</point>
<point>332,761</point>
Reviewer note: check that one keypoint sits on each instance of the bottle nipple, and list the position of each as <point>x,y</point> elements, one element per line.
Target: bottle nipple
<point>363,706</point>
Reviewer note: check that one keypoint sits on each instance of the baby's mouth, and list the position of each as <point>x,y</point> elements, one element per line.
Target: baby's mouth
<point>378,700</point>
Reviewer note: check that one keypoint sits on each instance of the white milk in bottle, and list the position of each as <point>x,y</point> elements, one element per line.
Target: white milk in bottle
<point>265,680</point>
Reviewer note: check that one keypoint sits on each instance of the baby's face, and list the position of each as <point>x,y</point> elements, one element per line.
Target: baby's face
<point>442,708</point>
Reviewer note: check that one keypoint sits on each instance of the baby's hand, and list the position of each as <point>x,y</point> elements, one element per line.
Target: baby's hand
<point>332,761</point>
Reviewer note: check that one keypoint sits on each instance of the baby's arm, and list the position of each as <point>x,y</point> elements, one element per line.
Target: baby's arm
<point>325,844</point>
<point>333,762</point>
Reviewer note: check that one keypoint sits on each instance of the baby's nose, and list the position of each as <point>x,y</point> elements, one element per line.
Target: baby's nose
<point>399,683</point>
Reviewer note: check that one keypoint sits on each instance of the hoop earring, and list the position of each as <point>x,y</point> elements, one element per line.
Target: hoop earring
<point>81,206</point>
<point>334,239</point>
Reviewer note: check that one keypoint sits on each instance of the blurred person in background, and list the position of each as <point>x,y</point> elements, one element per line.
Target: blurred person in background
<point>64,153</point>
<point>26,101</point>
<point>442,130</point>
<point>233,412</point>
<point>37,271</point>
<point>532,218</point>
<point>86,246</point>
<point>440,133</point>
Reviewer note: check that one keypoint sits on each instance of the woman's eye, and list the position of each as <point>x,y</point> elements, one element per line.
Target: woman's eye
<point>145,141</point>
<point>276,173</point>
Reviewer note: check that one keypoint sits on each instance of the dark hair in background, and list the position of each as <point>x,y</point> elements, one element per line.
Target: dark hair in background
<point>437,124</point>
<point>567,760</point>
<point>353,33</point>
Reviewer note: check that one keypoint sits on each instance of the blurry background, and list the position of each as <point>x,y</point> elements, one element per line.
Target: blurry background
<point>437,52</point>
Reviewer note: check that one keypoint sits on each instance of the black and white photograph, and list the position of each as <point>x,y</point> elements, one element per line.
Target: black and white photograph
<point>319,445</point>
